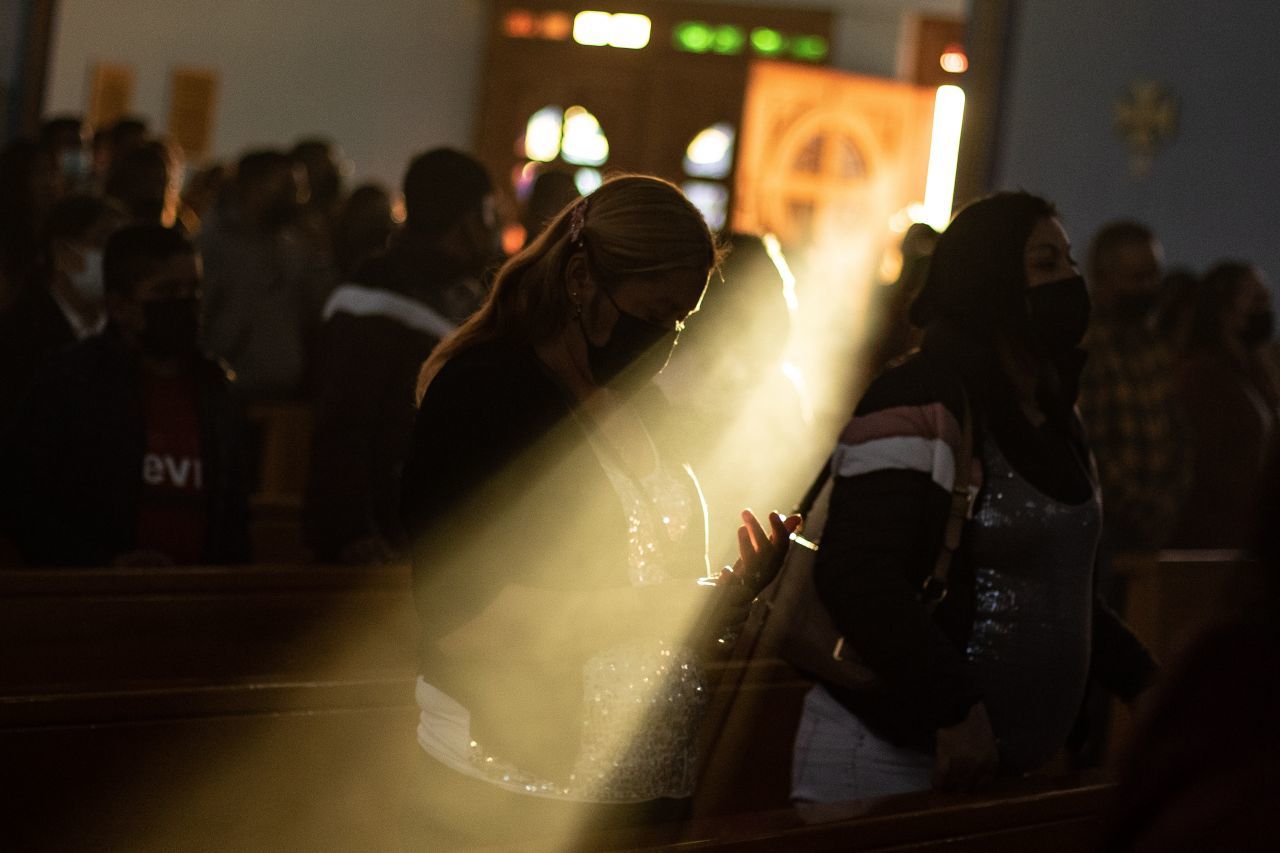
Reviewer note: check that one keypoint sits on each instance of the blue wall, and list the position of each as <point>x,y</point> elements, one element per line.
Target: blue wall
<point>1215,190</point>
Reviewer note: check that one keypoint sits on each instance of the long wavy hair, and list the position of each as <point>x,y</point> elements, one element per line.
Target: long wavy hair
<point>634,225</point>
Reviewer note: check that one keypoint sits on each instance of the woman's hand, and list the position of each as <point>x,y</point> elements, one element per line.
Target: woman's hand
<point>967,754</point>
<point>760,554</point>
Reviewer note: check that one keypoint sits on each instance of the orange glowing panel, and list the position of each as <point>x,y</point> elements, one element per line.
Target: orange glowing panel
<point>519,24</point>
<point>825,156</point>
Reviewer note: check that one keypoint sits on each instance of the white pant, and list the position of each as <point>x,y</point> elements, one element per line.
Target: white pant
<point>838,759</point>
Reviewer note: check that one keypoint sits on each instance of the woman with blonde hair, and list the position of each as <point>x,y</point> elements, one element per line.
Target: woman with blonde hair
<point>556,549</point>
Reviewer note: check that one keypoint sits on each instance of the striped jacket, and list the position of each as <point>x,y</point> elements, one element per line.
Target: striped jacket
<point>894,469</point>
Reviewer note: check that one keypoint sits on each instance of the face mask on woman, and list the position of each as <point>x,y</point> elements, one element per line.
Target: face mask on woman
<point>635,352</point>
<point>1059,315</point>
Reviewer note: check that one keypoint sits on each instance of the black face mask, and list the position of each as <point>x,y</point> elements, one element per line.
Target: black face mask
<point>635,352</point>
<point>1059,315</point>
<point>1258,328</point>
<point>172,327</point>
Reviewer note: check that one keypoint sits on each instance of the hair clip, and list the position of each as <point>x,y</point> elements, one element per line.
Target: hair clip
<point>577,221</point>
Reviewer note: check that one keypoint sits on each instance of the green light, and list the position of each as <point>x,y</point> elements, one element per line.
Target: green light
<point>768,42</point>
<point>809,48</point>
<point>728,40</point>
<point>693,36</point>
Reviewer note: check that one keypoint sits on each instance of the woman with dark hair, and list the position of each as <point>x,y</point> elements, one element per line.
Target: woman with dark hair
<point>986,674</point>
<point>1231,395</point>
<point>556,547</point>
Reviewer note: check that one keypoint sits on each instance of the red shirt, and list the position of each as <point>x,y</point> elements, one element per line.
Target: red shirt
<point>173,514</point>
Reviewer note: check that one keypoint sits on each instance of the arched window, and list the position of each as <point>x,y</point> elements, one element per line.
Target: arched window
<point>709,160</point>
<point>572,135</point>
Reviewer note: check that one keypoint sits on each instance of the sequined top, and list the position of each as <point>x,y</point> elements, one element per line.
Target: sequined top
<point>1033,563</point>
<point>642,700</point>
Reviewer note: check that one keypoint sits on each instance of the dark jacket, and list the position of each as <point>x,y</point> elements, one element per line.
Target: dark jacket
<point>32,329</point>
<point>377,332</point>
<point>884,531</point>
<point>73,459</point>
<point>502,487</point>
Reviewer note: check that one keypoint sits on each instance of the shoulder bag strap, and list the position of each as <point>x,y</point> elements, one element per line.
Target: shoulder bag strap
<point>934,589</point>
<point>811,494</point>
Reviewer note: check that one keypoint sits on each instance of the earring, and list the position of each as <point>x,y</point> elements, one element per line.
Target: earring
<point>577,309</point>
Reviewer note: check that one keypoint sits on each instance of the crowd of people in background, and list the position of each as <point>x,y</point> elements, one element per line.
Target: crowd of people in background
<point>297,292</point>
<point>309,288</point>
<point>146,306</point>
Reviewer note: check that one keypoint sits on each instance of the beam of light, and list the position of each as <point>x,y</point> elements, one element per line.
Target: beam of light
<point>944,149</point>
<point>796,377</point>
<point>774,249</point>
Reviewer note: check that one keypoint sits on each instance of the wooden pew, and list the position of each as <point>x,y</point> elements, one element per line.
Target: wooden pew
<point>252,708</point>
<point>1066,814</point>
<point>327,766</point>
<point>1174,596</point>
<point>114,627</point>
<point>282,431</point>
<point>271,708</point>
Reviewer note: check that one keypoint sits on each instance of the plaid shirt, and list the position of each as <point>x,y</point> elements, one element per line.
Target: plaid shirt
<point>1128,401</point>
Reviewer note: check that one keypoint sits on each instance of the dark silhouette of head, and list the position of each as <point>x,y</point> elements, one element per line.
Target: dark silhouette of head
<point>1125,266</point>
<point>977,276</point>
<point>267,189</point>
<point>364,225</point>
<point>142,179</point>
<point>552,190</point>
<point>152,279</point>
<point>633,228</point>
<point>448,199</point>
<point>78,226</point>
<point>1232,307</point>
<point>441,188</point>
<point>319,161</point>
